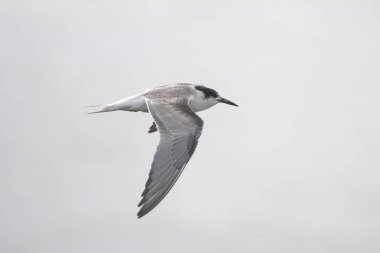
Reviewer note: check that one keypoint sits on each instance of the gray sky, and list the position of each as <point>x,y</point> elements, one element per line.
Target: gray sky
<point>297,169</point>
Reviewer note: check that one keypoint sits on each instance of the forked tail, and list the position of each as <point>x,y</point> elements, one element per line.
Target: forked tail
<point>102,108</point>
<point>133,104</point>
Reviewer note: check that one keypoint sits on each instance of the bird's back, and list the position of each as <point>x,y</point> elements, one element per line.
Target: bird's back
<point>181,90</point>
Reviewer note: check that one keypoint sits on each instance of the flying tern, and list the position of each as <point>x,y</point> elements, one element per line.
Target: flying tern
<point>173,108</point>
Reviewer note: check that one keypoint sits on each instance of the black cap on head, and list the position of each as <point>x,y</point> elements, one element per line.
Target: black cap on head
<point>207,91</point>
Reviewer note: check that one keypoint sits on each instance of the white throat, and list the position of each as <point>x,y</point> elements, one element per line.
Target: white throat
<point>198,103</point>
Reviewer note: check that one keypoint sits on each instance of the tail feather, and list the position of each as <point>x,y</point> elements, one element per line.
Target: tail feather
<point>104,108</point>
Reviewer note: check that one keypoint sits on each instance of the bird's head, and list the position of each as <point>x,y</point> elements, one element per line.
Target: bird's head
<point>210,94</point>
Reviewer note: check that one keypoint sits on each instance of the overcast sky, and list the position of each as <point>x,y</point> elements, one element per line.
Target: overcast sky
<point>294,169</point>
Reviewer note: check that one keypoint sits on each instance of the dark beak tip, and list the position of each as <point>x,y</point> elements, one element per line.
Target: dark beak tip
<point>226,101</point>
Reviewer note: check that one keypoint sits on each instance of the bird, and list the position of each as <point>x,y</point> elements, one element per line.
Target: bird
<point>173,108</point>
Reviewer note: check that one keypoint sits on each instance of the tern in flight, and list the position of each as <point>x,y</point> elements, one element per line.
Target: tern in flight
<point>173,108</point>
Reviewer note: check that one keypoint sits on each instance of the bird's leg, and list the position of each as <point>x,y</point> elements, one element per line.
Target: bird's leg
<point>152,128</point>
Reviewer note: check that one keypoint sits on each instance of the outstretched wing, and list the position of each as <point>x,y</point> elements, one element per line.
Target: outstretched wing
<point>180,129</point>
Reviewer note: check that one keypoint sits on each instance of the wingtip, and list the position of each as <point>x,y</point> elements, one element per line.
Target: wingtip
<point>141,214</point>
<point>141,202</point>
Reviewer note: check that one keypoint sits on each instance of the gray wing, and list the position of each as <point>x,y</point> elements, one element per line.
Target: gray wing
<point>179,129</point>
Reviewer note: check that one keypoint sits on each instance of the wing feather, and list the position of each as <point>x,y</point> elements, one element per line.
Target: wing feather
<point>180,129</point>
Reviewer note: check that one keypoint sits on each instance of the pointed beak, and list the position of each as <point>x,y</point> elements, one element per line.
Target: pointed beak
<point>223,100</point>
